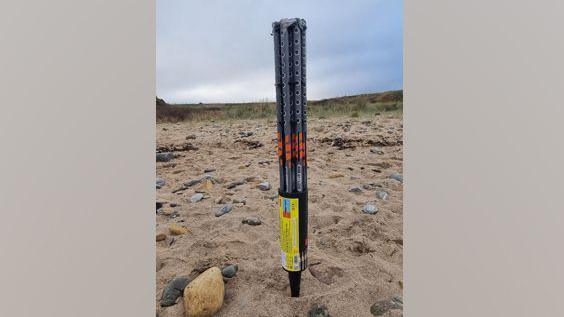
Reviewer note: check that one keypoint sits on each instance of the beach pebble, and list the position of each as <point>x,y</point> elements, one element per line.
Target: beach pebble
<point>176,229</point>
<point>240,201</point>
<point>250,178</point>
<point>173,290</point>
<point>369,209</point>
<point>206,184</point>
<point>336,175</point>
<point>164,157</point>
<point>245,134</point>
<point>235,184</point>
<point>161,237</point>
<point>230,270</point>
<point>253,221</point>
<point>382,307</point>
<point>219,200</point>
<point>264,186</point>
<point>397,177</point>
<point>160,183</point>
<point>377,150</point>
<point>318,310</point>
<point>203,297</point>
<point>324,273</point>
<point>191,183</point>
<point>223,210</point>
<point>209,170</point>
<point>197,197</point>
<point>382,195</point>
<point>191,137</point>
<point>355,189</point>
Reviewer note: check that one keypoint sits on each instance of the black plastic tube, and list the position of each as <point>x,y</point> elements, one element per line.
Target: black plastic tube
<point>291,115</point>
<point>295,281</point>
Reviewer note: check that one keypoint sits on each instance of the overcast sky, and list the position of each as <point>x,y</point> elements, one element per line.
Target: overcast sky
<point>222,51</point>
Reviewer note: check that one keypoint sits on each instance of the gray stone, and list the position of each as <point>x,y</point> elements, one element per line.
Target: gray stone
<point>264,186</point>
<point>160,183</point>
<point>245,134</point>
<point>377,150</point>
<point>397,299</point>
<point>235,184</point>
<point>382,195</point>
<point>240,201</point>
<point>223,210</point>
<point>229,271</point>
<point>318,310</point>
<point>355,189</point>
<point>191,183</point>
<point>250,178</point>
<point>381,307</point>
<point>208,176</point>
<point>253,221</point>
<point>164,157</point>
<point>370,209</point>
<point>197,197</point>
<point>397,177</point>
<point>173,290</point>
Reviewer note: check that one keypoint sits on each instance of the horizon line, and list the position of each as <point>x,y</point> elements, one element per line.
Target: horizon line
<point>274,101</point>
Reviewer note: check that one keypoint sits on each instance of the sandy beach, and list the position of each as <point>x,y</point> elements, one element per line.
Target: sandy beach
<point>355,257</point>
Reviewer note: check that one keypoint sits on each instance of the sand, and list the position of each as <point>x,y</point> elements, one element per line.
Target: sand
<point>356,257</point>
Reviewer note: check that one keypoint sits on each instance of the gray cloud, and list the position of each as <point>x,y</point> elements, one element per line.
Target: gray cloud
<point>222,51</point>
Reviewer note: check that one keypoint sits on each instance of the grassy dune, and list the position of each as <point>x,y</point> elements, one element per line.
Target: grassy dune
<point>390,102</point>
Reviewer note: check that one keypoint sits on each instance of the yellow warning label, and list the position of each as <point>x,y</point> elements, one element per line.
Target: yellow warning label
<point>289,233</point>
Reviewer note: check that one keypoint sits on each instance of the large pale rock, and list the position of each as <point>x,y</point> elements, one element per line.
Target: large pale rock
<point>203,297</point>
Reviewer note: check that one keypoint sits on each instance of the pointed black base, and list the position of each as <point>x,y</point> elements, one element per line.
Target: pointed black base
<point>295,279</point>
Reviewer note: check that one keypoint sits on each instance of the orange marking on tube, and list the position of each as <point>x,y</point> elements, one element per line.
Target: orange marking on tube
<point>295,137</point>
